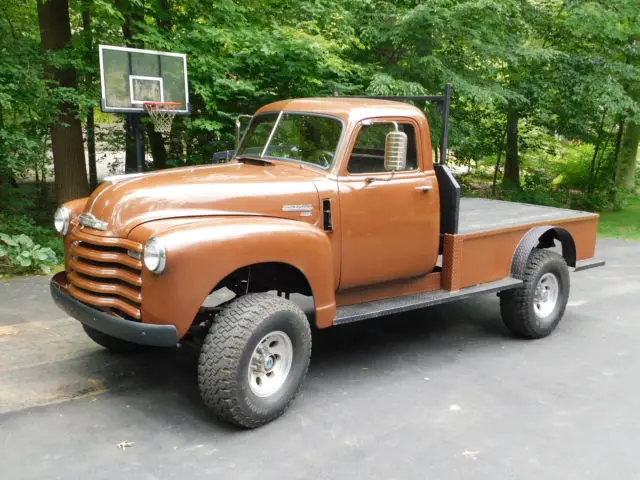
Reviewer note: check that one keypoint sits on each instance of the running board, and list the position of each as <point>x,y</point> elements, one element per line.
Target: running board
<point>588,264</point>
<point>379,308</point>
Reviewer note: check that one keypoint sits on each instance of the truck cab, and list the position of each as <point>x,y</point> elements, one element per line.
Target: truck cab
<point>390,214</point>
<point>338,199</point>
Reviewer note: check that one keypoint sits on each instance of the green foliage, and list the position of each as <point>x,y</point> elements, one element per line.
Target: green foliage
<point>25,108</point>
<point>559,62</point>
<point>623,224</point>
<point>569,68</point>
<point>14,225</point>
<point>19,254</point>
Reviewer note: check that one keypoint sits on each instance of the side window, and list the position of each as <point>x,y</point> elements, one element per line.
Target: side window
<point>367,155</point>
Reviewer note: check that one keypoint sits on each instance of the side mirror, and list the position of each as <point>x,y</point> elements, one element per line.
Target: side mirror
<point>395,150</point>
<point>238,128</point>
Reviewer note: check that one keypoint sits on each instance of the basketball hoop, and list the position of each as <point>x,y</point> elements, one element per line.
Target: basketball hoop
<point>162,114</point>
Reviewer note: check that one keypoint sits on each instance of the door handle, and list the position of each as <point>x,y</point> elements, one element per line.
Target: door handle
<point>424,188</point>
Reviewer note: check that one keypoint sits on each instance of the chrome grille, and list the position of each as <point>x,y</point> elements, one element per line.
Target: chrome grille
<point>101,273</point>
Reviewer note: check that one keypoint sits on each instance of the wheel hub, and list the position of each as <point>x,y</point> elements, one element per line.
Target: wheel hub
<point>546,295</point>
<point>270,364</point>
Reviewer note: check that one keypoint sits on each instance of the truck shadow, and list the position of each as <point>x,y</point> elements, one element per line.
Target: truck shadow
<point>420,336</point>
<point>466,324</point>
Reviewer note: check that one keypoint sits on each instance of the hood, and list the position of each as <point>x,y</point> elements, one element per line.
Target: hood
<point>278,190</point>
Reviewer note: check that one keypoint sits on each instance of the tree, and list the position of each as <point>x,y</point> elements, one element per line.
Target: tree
<point>520,69</point>
<point>90,125</point>
<point>594,84</point>
<point>627,160</point>
<point>156,142</point>
<point>133,17</point>
<point>25,103</point>
<point>481,47</point>
<point>512,158</point>
<point>66,131</point>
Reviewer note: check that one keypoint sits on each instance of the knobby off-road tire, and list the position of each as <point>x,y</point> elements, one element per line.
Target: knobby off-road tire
<point>114,344</point>
<point>242,371</point>
<point>534,309</point>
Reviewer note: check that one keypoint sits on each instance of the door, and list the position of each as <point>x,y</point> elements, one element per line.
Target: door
<point>390,220</point>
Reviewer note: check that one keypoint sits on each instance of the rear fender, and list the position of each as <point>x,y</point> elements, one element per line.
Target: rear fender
<point>203,252</point>
<point>542,237</point>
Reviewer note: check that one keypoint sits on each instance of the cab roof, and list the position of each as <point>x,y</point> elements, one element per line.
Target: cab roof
<point>346,108</point>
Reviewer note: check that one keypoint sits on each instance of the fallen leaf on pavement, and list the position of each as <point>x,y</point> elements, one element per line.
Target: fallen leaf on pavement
<point>124,445</point>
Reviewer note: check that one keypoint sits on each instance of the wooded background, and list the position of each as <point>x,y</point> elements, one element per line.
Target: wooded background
<point>546,93</point>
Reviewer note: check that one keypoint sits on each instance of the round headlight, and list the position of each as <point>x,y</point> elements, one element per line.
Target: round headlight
<point>155,257</point>
<point>61,220</point>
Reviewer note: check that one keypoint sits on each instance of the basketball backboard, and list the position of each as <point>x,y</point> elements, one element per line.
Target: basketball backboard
<point>129,77</point>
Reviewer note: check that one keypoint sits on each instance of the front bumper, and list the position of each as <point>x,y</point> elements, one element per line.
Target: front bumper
<point>118,327</point>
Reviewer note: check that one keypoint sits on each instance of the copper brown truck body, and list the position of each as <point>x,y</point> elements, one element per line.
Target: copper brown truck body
<point>336,199</point>
<point>383,241</point>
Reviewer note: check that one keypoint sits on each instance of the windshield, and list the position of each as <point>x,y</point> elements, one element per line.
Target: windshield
<point>292,136</point>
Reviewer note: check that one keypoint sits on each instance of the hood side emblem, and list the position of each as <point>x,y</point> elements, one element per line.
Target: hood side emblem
<point>305,210</point>
<point>89,220</point>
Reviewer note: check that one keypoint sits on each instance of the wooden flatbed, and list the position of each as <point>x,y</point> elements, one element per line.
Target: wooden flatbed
<point>484,215</point>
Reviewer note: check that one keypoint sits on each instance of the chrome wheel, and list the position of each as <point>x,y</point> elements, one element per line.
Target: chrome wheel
<point>546,295</point>
<point>270,363</point>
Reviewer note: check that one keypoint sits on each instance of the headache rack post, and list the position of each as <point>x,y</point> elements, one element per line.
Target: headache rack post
<point>443,102</point>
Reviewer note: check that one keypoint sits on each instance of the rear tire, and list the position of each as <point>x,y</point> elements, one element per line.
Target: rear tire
<point>114,344</point>
<point>534,309</point>
<point>254,359</point>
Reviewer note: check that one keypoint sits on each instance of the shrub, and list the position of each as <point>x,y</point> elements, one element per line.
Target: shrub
<point>22,224</point>
<point>19,254</point>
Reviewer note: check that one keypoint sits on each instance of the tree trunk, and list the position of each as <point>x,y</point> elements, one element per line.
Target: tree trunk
<point>616,155</point>
<point>164,19</point>
<point>66,132</point>
<point>596,150</point>
<point>156,141</point>
<point>512,160</point>
<point>176,149</point>
<point>91,148</point>
<point>90,125</point>
<point>131,16</point>
<point>497,168</point>
<point>626,168</point>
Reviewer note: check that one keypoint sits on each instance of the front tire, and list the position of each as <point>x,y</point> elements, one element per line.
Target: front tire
<point>254,359</point>
<point>534,309</point>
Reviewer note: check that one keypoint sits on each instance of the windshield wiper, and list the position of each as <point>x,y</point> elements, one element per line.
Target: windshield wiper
<point>254,161</point>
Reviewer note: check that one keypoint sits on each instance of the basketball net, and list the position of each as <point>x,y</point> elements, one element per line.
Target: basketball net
<point>162,114</point>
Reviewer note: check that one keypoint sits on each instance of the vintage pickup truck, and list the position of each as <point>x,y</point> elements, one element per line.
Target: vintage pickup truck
<point>338,199</point>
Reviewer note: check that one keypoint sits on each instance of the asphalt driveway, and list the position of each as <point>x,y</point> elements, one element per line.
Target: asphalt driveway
<point>444,393</point>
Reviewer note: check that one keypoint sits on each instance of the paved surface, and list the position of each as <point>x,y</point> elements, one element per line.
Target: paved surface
<point>441,394</point>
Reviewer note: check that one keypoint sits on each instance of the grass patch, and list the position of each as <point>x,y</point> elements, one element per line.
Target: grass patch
<point>624,224</point>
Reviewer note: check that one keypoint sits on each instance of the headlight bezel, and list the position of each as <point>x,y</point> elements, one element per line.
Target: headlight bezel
<point>62,215</point>
<point>154,256</point>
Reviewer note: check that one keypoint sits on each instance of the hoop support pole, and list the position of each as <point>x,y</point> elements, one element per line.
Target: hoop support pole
<point>134,121</point>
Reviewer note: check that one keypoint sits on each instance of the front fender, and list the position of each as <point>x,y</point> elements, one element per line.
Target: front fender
<point>202,252</point>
